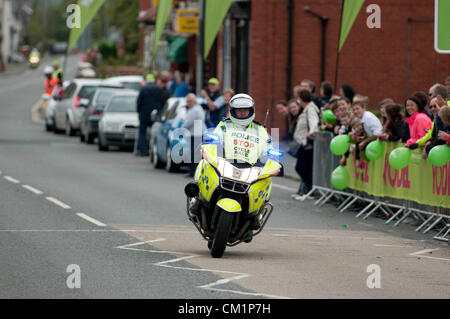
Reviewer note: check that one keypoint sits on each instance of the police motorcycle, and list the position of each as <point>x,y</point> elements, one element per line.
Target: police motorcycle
<point>228,201</point>
<point>34,59</point>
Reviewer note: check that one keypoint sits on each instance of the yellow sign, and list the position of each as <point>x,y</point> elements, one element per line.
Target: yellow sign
<point>187,21</point>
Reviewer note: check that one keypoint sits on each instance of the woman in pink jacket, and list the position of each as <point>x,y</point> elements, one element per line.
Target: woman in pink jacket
<point>419,123</point>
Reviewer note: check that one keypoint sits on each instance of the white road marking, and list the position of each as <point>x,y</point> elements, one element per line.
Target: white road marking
<point>12,180</point>
<point>210,286</point>
<point>57,202</point>
<point>32,189</point>
<point>280,235</point>
<point>420,252</point>
<point>426,251</point>
<point>90,219</point>
<point>285,187</point>
<point>396,246</point>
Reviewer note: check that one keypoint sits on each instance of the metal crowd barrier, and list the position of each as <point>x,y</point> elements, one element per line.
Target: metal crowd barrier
<point>427,218</point>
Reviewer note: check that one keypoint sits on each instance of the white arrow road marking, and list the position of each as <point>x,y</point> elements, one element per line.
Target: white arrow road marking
<point>421,253</point>
<point>211,286</point>
<point>12,180</point>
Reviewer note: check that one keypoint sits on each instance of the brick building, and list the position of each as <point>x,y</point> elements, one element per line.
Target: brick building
<point>392,61</point>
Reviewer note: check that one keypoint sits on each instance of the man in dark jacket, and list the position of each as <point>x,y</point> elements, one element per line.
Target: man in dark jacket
<point>215,106</point>
<point>149,98</point>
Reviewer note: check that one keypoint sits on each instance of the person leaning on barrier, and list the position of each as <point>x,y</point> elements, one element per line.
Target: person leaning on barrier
<point>444,114</point>
<point>371,124</point>
<point>307,128</point>
<point>419,123</point>
<point>395,128</point>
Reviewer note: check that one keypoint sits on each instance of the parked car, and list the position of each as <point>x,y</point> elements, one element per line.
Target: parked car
<point>133,82</point>
<point>119,123</point>
<point>69,109</point>
<point>161,137</point>
<point>58,48</point>
<point>92,113</point>
<point>50,110</point>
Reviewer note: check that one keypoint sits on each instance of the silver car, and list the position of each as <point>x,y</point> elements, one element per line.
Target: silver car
<point>93,112</point>
<point>119,123</point>
<point>132,82</point>
<point>75,98</point>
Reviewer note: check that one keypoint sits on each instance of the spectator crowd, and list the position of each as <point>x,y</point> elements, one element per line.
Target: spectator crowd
<point>422,121</point>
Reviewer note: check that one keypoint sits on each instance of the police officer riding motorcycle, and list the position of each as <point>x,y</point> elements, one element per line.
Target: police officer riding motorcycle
<point>228,201</point>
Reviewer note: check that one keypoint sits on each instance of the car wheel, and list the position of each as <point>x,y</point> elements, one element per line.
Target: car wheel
<point>55,128</point>
<point>48,127</point>
<point>170,165</point>
<point>82,136</point>
<point>89,138</point>
<point>102,147</point>
<point>157,163</point>
<point>69,130</point>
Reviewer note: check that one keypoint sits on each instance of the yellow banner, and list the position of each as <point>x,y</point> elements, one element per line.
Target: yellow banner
<point>421,182</point>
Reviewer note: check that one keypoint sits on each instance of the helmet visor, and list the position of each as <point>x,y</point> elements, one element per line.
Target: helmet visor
<point>242,113</point>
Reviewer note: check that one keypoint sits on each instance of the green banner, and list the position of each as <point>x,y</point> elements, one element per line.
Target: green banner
<point>422,182</point>
<point>350,10</point>
<point>215,12</point>
<point>82,16</point>
<point>161,18</point>
<point>442,26</point>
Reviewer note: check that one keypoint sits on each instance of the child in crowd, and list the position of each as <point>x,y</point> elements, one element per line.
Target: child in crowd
<point>357,135</point>
<point>346,118</point>
<point>395,128</point>
<point>337,111</point>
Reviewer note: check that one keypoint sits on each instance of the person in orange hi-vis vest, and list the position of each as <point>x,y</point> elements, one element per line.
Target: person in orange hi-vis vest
<point>50,81</point>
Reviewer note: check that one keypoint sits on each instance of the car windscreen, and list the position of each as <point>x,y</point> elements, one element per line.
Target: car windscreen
<point>87,91</point>
<point>132,85</point>
<point>102,99</point>
<point>122,104</point>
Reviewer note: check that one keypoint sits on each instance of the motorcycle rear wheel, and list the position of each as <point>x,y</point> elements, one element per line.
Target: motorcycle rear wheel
<point>222,233</point>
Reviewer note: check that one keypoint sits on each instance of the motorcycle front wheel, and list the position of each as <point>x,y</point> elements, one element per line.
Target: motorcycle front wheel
<point>222,233</point>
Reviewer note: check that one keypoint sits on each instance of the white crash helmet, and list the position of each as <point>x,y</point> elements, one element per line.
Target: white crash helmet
<point>242,101</point>
<point>48,70</point>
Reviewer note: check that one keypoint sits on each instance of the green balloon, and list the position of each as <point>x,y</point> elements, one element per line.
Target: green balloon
<point>400,157</point>
<point>329,117</point>
<point>439,155</point>
<point>340,144</point>
<point>374,150</point>
<point>340,178</point>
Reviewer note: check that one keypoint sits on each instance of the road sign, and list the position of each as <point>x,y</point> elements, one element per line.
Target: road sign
<point>187,21</point>
<point>442,26</point>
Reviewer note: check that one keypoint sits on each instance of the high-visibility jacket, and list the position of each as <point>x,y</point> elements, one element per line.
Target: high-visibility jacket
<point>49,84</point>
<point>245,144</point>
